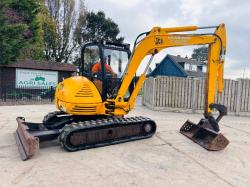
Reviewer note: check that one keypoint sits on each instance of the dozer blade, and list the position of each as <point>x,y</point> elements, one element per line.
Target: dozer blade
<point>28,136</point>
<point>27,144</point>
<point>205,137</point>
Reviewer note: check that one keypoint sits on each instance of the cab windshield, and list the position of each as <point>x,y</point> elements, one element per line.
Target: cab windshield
<point>117,60</point>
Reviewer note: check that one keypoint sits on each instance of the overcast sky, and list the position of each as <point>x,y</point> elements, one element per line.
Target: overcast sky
<point>137,16</point>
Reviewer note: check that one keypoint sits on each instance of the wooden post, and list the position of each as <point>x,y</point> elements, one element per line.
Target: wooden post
<point>238,97</point>
<point>194,93</point>
<point>51,94</point>
<point>153,95</point>
<point>143,92</point>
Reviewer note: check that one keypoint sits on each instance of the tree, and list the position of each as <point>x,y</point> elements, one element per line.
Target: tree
<point>200,54</point>
<point>19,36</point>
<point>49,33</point>
<point>59,24</point>
<point>99,28</point>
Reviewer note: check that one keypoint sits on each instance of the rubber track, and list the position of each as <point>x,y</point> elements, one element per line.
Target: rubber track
<point>52,121</point>
<point>106,123</point>
<point>51,115</point>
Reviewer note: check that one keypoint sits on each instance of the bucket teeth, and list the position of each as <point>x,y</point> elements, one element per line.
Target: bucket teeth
<point>27,144</point>
<point>205,137</point>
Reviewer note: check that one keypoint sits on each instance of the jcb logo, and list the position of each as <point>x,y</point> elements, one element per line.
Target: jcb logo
<point>158,41</point>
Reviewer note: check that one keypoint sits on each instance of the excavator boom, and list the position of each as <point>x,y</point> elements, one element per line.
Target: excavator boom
<point>161,38</point>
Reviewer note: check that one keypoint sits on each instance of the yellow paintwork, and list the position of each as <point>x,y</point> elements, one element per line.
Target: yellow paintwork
<point>162,38</point>
<point>79,96</point>
<point>215,67</point>
<point>157,39</point>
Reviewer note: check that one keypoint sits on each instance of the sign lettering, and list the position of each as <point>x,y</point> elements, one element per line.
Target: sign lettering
<point>36,78</point>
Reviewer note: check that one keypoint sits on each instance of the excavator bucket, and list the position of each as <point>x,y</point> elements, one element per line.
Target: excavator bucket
<point>206,138</point>
<point>206,132</point>
<point>27,144</point>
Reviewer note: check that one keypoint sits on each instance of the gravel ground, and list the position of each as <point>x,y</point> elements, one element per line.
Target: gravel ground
<point>166,159</point>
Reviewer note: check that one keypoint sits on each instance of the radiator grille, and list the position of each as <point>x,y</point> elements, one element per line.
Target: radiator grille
<point>85,91</point>
<point>89,109</point>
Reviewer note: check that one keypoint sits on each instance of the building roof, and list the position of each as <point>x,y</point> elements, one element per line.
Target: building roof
<point>32,64</point>
<point>179,59</point>
<point>168,67</point>
<point>179,70</point>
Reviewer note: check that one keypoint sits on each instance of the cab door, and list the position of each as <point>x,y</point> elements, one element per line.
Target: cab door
<point>92,65</point>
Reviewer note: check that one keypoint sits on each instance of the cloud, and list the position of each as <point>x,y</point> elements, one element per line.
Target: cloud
<point>137,16</point>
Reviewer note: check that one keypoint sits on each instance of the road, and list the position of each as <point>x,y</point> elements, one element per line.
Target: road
<point>166,159</point>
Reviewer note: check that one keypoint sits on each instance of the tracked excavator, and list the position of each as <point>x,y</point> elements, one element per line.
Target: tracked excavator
<point>91,106</point>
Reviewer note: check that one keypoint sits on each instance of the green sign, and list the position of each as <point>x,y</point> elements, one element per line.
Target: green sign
<point>36,78</point>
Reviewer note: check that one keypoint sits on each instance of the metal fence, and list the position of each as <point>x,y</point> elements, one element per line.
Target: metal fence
<point>188,93</point>
<point>26,95</point>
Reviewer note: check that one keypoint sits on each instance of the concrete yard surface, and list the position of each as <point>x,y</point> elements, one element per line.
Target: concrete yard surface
<point>166,159</point>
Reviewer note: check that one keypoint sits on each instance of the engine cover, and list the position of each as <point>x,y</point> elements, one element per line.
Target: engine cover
<point>79,96</point>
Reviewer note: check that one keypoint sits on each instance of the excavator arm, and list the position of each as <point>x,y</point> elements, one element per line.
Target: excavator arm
<point>206,132</point>
<point>161,38</point>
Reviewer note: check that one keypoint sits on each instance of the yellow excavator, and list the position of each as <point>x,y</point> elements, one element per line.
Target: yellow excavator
<point>92,105</point>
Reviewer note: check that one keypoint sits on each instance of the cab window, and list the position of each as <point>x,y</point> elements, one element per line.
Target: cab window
<point>117,60</point>
<point>91,56</point>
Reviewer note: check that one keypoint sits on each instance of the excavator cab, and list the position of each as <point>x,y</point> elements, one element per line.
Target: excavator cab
<point>104,64</point>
